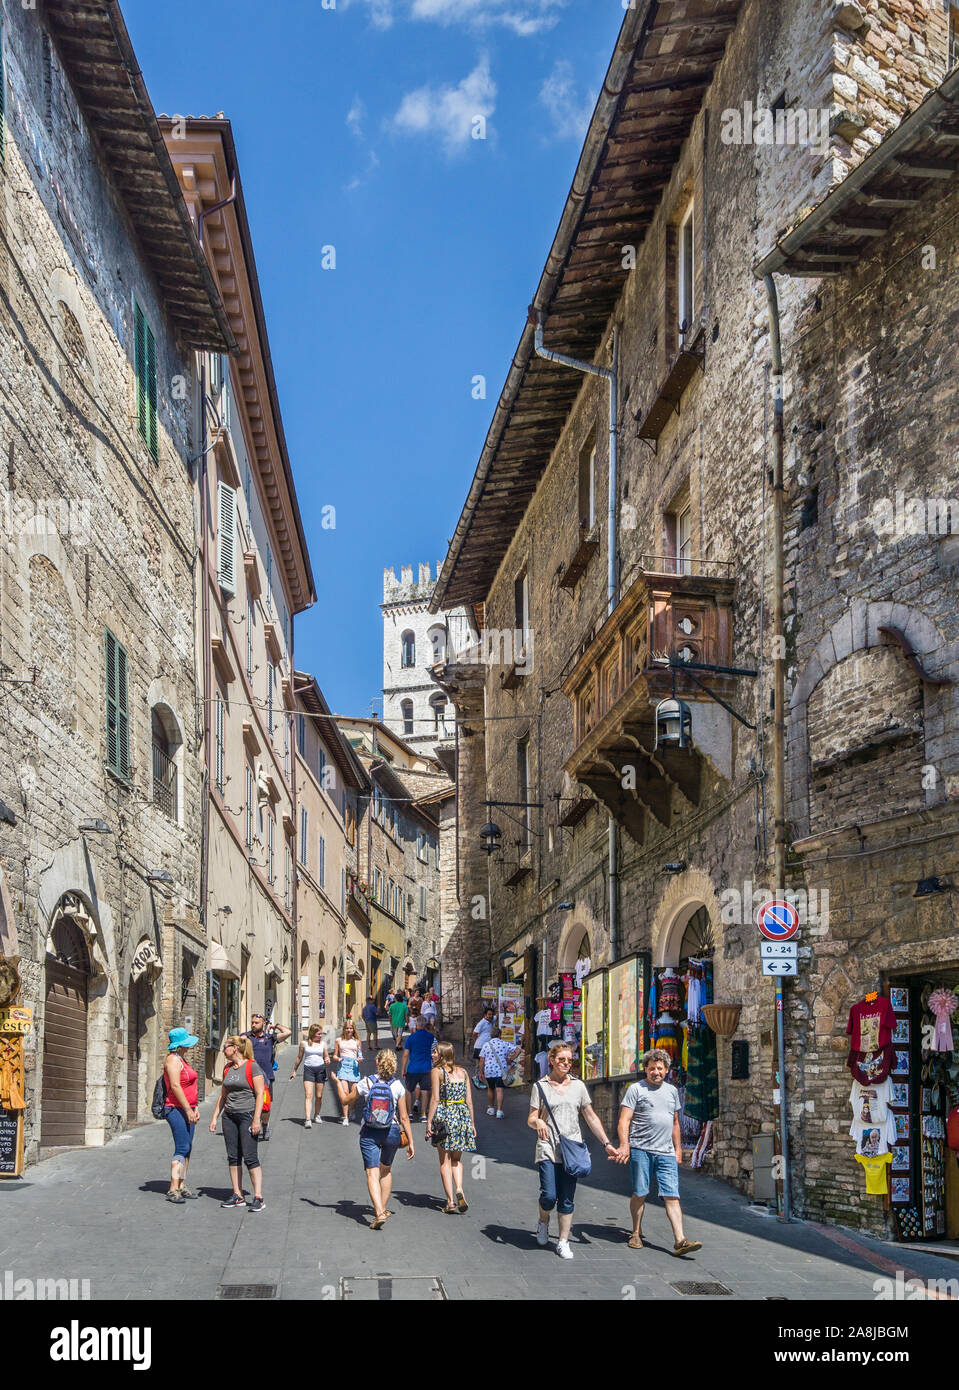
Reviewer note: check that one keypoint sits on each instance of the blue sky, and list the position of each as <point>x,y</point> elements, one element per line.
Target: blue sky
<point>354,128</point>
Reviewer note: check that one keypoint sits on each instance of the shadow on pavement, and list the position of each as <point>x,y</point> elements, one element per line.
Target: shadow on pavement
<point>510,1235</point>
<point>362,1215</point>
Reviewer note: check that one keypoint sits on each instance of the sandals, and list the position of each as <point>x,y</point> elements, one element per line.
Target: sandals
<point>175,1196</point>
<point>461,1203</point>
<point>450,1209</point>
<point>379,1222</point>
<point>635,1241</point>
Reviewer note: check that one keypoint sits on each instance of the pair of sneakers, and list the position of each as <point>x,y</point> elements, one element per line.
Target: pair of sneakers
<point>236,1200</point>
<point>490,1110</point>
<point>542,1239</point>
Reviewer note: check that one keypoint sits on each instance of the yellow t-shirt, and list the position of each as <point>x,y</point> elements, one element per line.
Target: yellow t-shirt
<point>877,1179</point>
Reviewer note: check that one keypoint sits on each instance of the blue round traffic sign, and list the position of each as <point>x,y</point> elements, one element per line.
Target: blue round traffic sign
<point>777,920</point>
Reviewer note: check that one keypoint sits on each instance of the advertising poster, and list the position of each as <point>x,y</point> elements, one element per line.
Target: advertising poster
<point>594,1059</point>
<point>624,1017</point>
<point>510,1011</point>
<point>321,996</point>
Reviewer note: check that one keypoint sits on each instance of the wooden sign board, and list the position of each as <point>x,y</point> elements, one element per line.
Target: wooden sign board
<point>11,1143</point>
<point>18,1018</point>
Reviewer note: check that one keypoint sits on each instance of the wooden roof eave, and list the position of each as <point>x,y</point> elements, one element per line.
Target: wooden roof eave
<point>663,51</point>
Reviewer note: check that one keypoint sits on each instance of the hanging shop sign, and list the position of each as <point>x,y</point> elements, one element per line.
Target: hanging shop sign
<point>18,1018</point>
<point>144,957</point>
<point>321,995</point>
<point>11,1143</point>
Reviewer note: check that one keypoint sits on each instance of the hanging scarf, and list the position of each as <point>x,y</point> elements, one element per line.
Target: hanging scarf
<point>943,1004</point>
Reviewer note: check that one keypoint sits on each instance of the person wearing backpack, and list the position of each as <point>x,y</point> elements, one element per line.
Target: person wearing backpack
<point>264,1039</point>
<point>180,1110</point>
<point>242,1100</point>
<point>385,1126</point>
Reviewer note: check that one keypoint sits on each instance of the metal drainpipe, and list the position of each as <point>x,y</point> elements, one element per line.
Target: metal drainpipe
<point>611,375</point>
<point>779,689</point>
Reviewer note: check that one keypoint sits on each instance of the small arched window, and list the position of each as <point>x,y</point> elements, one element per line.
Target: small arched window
<point>406,709</point>
<point>437,641</point>
<point>409,648</point>
<point>438,704</point>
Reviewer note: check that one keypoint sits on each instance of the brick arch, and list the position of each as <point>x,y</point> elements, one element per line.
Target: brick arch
<point>858,630</point>
<point>683,896</point>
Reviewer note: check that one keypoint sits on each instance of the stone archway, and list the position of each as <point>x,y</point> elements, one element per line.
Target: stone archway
<point>683,897</point>
<point>575,934</point>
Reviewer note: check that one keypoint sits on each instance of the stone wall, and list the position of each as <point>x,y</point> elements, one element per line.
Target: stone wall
<point>117,554</point>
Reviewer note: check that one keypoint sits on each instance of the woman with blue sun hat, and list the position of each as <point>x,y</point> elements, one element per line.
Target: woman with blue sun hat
<point>180,1110</point>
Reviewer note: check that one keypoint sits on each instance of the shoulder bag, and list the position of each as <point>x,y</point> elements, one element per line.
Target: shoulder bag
<point>438,1130</point>
<point>574,1154</point>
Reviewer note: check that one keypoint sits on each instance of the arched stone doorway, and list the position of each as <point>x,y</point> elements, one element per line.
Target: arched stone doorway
<point>575,944</point>
<point>67,971</point>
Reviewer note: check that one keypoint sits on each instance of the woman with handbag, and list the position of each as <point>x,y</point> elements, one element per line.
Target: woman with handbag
<point>451,1124</point>
<point>241,1100</point>
<point>555,1107</point>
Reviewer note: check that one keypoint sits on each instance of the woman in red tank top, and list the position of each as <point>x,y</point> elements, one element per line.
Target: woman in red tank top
<point>180,1084</point>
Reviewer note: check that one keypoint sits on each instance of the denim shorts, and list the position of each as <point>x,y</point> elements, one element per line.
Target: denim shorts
<point>643,1166</point>
<point>379,1146</point>
<point>315,1074</point>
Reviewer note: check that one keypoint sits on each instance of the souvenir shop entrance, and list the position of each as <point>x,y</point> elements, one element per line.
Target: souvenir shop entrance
<point>924,1100</point>
<point>679,990</point>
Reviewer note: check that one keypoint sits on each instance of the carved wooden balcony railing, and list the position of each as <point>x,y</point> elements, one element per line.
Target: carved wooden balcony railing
<point>616,684</point>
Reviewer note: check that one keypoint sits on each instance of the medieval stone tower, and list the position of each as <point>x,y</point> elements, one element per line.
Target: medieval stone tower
<point>414,639</point>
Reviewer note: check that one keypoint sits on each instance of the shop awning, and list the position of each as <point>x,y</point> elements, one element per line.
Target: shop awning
<point>219,962</point>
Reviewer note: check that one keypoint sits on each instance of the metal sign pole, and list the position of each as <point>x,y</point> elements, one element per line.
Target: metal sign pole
<point>783,1118</point>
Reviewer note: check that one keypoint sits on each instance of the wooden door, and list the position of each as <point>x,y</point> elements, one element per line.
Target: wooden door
<point>134,1034</point>
<point>64,1086</point>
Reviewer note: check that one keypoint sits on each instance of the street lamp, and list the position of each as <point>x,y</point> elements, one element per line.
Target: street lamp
<point>674,724</point>
<point>491,837</point>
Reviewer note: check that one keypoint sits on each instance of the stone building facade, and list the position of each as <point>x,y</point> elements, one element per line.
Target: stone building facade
<point>332,946</point>
<point>101,776</point>
<point>619,844</point>
<point>255,577</point>
<point>414,640</point>
<point>399,855</point>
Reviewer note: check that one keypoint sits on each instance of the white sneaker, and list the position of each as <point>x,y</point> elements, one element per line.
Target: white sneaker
<point>317,1120</point>
<point>344,1120</point>
<point>490,1110</point>
<point>563,1250</point>
<point>309,1124</point>
<point>542,1233</point>
<point>499,1114</point>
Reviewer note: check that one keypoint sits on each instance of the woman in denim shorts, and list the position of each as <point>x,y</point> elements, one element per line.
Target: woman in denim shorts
<point>379,1142</point>
<point>315,1058</point>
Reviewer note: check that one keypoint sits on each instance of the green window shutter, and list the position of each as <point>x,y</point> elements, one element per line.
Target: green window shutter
<point>3,98</point>
<point>152,436</point>
<point>118,707</point>
<point>111,663</point>
<point>145,366</point>
<point>140,367</point>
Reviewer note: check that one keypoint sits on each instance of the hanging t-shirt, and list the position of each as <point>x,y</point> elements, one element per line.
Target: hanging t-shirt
<point>877,1175</point>
<point>870,1025</point>
<point>873,1140</point>
<point>580,971</point>
<point>870,1067</point>
<point>870,1102</point>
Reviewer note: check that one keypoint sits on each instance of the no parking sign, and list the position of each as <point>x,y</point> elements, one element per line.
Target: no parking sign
<point>778,920</point>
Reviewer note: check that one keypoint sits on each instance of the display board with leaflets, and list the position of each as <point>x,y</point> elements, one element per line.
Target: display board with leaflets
<point>510,1017</point>
<point>614,1035</point>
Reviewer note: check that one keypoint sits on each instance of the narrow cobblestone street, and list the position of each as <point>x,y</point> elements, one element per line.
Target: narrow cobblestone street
<point>100,1215</point>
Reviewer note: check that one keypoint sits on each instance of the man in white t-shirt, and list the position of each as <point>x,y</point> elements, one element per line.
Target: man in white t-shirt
<point>650,1139</point>
<point>483,1029</point>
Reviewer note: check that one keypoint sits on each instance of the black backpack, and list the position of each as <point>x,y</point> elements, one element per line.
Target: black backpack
<point>158,1104</point>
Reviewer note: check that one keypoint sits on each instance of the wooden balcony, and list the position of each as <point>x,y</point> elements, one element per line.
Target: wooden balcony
<point>617,683</point>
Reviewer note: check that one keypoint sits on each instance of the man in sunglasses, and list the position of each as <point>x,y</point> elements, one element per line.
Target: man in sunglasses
<point>264,1039</point>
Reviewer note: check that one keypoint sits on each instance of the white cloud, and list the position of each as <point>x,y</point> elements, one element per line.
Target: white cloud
<point>449,112</point>
<point>523,17</point>
<point>569,111</point>
<point>355,117</point>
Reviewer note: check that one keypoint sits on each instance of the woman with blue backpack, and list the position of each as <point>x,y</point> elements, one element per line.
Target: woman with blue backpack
<point>385,1127</point>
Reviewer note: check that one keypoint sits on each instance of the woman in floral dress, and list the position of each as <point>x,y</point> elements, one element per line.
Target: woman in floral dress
<point>451,1102</point>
